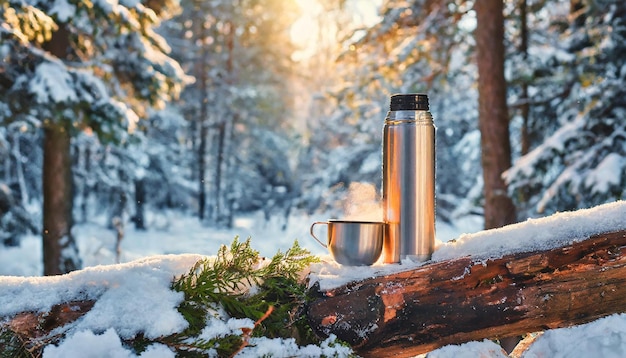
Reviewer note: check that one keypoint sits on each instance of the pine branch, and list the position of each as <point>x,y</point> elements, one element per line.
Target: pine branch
<point>226,281</point>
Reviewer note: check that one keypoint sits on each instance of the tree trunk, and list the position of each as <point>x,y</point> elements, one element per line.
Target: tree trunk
<point>140,200</point>
<point>525,107</point>
<point>230,170</point>
<point>87,187</point>
<point>201,69</point>
<point>217,207</point>
<point>226,128</point>
<point>118,200</point>
<point>60,253</point>
<point>451,302</point>
<point>19,169</point>
<point>492,111</point>
<point>202,166</point>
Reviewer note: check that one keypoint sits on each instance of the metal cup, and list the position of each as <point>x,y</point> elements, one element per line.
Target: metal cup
<point>353,243</point>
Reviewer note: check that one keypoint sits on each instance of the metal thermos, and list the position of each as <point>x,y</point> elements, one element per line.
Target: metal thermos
<point>409,179</point>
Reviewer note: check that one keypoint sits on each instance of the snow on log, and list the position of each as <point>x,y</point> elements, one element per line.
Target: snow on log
<point>455,301</point>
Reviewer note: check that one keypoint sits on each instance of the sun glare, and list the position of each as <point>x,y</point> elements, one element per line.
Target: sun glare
<point>306,32</point>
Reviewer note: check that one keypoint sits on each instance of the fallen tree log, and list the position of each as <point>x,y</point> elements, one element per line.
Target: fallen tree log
<point>451,302</point>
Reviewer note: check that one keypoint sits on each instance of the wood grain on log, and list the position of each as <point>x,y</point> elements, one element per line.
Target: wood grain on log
<point>451,302</point>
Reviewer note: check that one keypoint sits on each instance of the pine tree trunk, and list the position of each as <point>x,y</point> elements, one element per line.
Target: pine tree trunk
<point>19,170</point>
<point>202,68</point>
<point>526,130</point>
<point>217,209</point>
<point>231,167</point>
<point>117,200</point>
<point>86,185</point>
<point>525,108</point>
<point>226,134</point>
<point>202,165</point>
<point>492,111</point>
<point>60,253</point>
<point>140,199</point>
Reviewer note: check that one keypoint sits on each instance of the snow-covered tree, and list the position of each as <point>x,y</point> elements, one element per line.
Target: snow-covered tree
<point>71,65</point>
<point>582,162</point>
<point>239,53</point>
<point>341,140</point>
<point>416,46</point>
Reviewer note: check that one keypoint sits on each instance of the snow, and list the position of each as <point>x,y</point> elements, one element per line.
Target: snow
<point>607,174</point>
<point>135,296</point>
<point>605,337</point>
<point>86,344</point>
<point>218,328</point>
<point>536,234</point>
<point>263,347</point>
<point>485,348</point>
<point>52,83</point>
<point>63,10</point>
<point>131,297</point>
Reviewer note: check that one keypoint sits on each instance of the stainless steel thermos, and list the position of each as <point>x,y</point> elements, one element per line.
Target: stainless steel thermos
<point>409,179</point>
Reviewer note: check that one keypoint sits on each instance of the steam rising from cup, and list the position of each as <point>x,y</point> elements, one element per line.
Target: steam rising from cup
<point>363,203</point>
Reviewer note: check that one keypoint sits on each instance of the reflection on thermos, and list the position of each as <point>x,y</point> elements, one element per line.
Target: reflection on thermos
<point>409,179</point>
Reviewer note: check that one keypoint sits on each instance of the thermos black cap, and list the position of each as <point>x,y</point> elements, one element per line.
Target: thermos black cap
<point>409,102</point>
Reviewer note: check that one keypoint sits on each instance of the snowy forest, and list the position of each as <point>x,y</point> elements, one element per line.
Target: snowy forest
<point>113,112</point>
<point>117,112</point>
<point>218,109</point>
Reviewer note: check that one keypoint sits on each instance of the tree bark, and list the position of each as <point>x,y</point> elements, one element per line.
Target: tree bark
<point>225,128</point>
<point>219,163</point>
<point>492,112</point>
<point>60,252</point>
<point>87,186</point>
<point>140,200</point>
<point>525,107</point>
<point>202,68</point>
<point>118,199</point>
<point>452,302</point>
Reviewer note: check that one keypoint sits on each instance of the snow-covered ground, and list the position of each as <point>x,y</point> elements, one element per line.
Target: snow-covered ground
<point>134,296</point>
<point>175,233</point>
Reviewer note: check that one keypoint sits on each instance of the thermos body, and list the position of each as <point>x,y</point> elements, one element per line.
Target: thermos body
<point>409,184</point>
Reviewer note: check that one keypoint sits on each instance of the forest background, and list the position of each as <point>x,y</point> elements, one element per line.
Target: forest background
<point>223,108</point>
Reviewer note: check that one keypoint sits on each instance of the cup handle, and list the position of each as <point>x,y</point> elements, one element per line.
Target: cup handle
<point>315,237</point>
